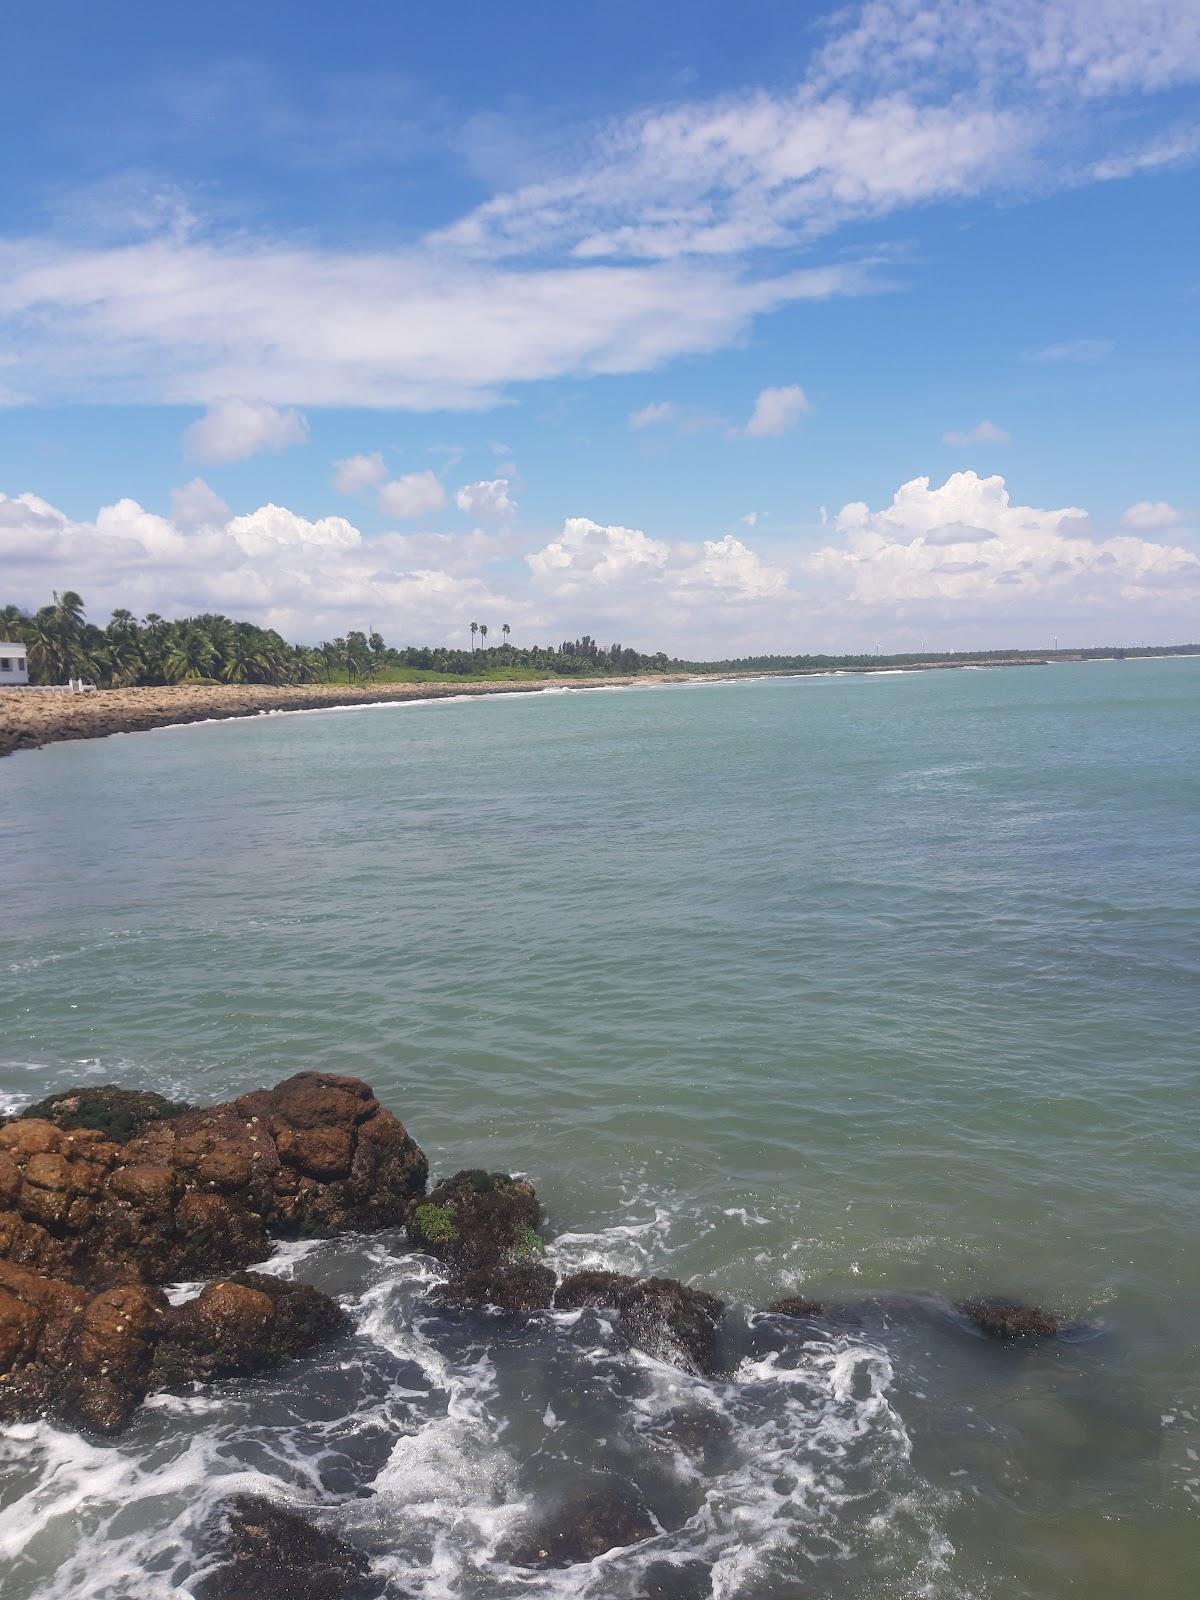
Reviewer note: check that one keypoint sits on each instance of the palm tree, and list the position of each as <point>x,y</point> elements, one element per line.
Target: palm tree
<point>474,631</point>
<point>483,633</point>
<point>505,630</point>
<point>69,609</point>
<point>191,656</point>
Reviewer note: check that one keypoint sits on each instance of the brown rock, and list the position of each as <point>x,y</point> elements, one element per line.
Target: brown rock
<point>796,1306</point>
<point>242,1325</point>
<point>1010,1320</point>
<point>610,1516</point>
<point>522,1287</point>
<point>477,1219</point>
<point>275,1554</point>
<point>661,1316</point>
<point>119,1114</point>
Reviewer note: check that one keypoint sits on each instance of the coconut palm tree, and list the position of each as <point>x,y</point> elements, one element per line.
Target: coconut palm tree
<point>483,633</point>
<point>474,631</point>
<point>190,656</point>
<point>505,630</point>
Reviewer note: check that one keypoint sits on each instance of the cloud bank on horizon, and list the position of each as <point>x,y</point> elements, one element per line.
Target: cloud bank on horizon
<point>732,262</point>
<point>934,562</point>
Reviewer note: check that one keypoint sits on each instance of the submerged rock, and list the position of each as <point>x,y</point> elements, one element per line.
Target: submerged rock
<point>1009,1319</point>
<point>661,1316</point>
<point>606,1518</point>
<point>675,1580</point>
<point>478,1220</point>
<point>275,1554</point>
<point>521,1287</point>
<point>119,1114</point>
<point>796,1306</point>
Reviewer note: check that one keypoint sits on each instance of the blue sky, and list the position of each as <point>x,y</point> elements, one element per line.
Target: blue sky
<point>718,328</point>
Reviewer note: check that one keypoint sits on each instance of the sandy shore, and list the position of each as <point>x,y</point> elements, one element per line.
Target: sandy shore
<point>30,717</point>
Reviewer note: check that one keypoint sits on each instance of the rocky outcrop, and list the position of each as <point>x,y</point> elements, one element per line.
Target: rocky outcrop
<point>796,1306</point>
<point>91,1359</point>
<point>108,1192</point>
<point>193,1192</point>
<point>661,1316</point>
<point>275,1554</point>
<point>518,1288</point>
<point>611,1516</point>
<point>477,1220</point>
<point>1010,1320</point>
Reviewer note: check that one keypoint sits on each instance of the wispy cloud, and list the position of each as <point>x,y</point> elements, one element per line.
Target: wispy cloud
<point>234,430</point>
<point>1072,352</point>
<point>776,411</point>
<point>984,432</point>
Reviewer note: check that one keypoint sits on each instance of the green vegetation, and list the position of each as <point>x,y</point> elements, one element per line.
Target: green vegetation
<point>62,644</point>
<point>529,1244</point>
<point>436,1223</point>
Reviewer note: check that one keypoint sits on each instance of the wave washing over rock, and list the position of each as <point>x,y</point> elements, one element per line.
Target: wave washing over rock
<point>456,1408</point>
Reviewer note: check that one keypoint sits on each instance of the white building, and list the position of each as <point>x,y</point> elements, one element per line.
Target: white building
<point>14,668</point>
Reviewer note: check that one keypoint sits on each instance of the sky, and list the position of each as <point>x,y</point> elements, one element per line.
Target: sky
<point>720,329</point>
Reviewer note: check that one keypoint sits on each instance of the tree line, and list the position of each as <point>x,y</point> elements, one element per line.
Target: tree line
<point>62,644</point>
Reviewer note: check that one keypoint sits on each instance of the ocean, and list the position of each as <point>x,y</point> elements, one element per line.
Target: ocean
<point>882,989</point>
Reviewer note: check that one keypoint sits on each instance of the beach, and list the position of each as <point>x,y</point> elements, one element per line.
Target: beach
<point>32,717</point>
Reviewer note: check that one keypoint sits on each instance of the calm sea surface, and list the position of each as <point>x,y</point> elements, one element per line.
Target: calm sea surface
<point>872,987</point>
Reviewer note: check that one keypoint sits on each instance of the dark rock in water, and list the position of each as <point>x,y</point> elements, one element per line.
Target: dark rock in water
<point>524,1286</point>
<point>661,1316</point>
<point>598,1289</point>
<point>675,1580</point>
<point>1010,1319</point>
<point>609,1517</point>
<point>673,1323</point>
<point>119,1114</point>
<point>796,1306</point>
<point>705,1437</point>
<point>200,1191</point>
<point>242,1325</point>
<point>90,1359</point>
<point>478,1219</point>
<point>276,1555</point>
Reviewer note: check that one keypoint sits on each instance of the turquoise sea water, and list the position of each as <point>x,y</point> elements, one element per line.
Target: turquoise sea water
<point>874,987</point>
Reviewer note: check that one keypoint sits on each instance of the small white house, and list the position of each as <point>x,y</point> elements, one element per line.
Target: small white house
<point>14,668</point>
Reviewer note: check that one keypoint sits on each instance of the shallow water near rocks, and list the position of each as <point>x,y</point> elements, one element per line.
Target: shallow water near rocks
<point>877,988</point>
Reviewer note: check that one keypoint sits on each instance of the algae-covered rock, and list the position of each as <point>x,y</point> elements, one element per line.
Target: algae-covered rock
<point>1010,1320</point>
<point>478,1219</point>
<point>273,1553</point>
<point>119,1114</point>
<point>519,1287</point>
<point>663,1317</point>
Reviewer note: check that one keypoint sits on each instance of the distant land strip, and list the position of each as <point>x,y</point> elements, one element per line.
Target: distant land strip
<point>31,717</point>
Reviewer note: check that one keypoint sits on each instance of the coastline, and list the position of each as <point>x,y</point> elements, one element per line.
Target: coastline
<point>33,718</point>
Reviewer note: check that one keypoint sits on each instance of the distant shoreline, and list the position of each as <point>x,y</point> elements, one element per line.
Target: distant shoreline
<point>33,718</point>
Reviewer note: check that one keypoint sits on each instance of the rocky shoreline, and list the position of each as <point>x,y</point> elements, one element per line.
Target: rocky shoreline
<point>108,1195</point>
<point>32,718</point>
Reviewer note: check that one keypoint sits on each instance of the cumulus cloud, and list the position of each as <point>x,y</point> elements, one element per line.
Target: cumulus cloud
<point>489,500</point>
<point>353,473</point>
<point>1075,352</point>
<point>234,430</point>
<point>775,411</point>
<point>966,550</point>
<point>309,577</point>
<point>601,561</point>
<point>413,495</point>
<point>982,433</point>
<point>1147,516</point>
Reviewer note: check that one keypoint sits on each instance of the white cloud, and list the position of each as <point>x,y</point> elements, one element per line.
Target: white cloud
<point>488,500</point>
<point>234,430</point>
<point>650,416</point>
<point>750,519</point>
<point>321,327</point>
<point>1147,516</point>
<point>412,495</point>
<point>353,473</point>
<point>596,553</point>
<point>1080,352</point>
<point>982,433</point>
<point>965,550</point>
<point>196,506</point>
<point>775,411</point>
<point>309,577</point>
